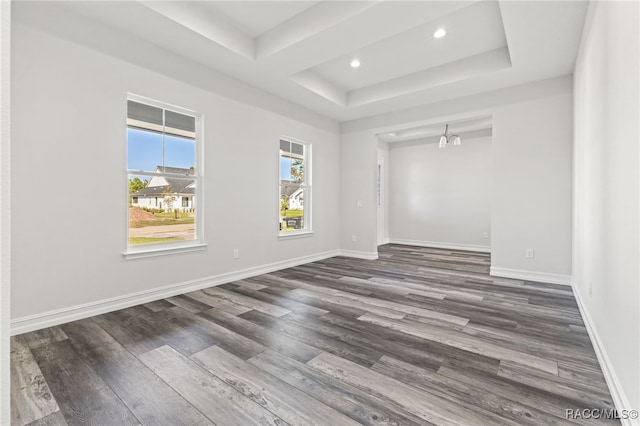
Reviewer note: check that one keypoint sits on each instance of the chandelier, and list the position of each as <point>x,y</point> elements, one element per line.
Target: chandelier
<point>447,137</point>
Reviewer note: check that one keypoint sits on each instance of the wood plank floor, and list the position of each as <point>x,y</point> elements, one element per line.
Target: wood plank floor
<point>418,337</point>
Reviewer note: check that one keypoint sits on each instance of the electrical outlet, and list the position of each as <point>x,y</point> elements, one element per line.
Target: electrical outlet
<point>359,203</point>
<point>529,253</point>
<point>236,253</point>
<point>485,235</point>
<point>353,238</point>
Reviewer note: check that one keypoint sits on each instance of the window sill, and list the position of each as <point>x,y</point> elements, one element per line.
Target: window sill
<point>294,234</point>
<point>133,253</point>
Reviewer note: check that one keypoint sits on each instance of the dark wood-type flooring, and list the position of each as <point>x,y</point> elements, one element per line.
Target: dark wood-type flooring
<point>419,337</point>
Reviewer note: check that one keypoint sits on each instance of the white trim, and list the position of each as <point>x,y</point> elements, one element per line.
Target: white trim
<point>434,244</point>
<point>359,254</point>
<point>618,395</point>
<point>85,310</point>
<point>163,105</point>
<point>294,234</point>
<point>307,186</point>
<point>519,274</point>
<point>154,250</point>
<point>159,249</point>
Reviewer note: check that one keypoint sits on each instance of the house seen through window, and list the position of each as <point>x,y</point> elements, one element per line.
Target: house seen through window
<point>162,174</point>
<point>295,187</point>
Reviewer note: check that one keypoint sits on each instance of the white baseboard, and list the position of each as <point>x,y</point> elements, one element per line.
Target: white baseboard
<point>73,313</point>
<point>435,244</point>
<point>360,254</point>
<point>520,274</point>
<point>618,395</point>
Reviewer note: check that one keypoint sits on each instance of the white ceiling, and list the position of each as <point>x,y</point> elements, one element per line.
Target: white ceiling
<point>255,18</point>
<point>456,126</point>
<point>301,50</point>
<point>416,49</point>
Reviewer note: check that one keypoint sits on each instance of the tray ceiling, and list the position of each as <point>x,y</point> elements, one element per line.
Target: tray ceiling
<point>301,51</point>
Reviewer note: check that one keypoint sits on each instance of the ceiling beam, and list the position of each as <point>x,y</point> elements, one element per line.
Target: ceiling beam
<point>200,20</point>
<point>372,24</point>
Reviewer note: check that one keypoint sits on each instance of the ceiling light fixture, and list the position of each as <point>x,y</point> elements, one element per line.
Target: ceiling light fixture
<point>440,32</point>
<point>355,63</point>
<point>447,137</point>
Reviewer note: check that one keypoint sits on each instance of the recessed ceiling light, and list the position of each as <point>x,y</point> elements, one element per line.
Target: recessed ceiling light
<point>440,32</point>
<point>355,63</point>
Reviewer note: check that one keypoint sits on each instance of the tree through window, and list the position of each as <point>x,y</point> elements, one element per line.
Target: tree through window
<point>295,187</point>
<point>163,176</point>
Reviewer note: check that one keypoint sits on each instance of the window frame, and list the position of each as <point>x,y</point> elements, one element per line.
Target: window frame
<point>306,186</point>
<point>165,248</point>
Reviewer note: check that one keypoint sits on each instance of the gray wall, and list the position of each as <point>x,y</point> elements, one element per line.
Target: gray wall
<point>69,193</point>
<point>530,175</point>
<point>606,245</point>
<point>5,212</point>
<point>440,196</point>
<point>531,195</point>
<point>358,211</point>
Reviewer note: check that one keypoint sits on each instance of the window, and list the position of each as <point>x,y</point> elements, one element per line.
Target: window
<point>295,187</point>
<point>164,179</point>
<point>379,184</point>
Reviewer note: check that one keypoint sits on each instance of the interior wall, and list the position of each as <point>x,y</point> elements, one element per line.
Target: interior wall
<point>441,197</point>
<point>531,173</point>
<point>5,211</point>
<point>69,197</point>
<point>358,211</point>
<point>606,182</point>
<point>531,198</point>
